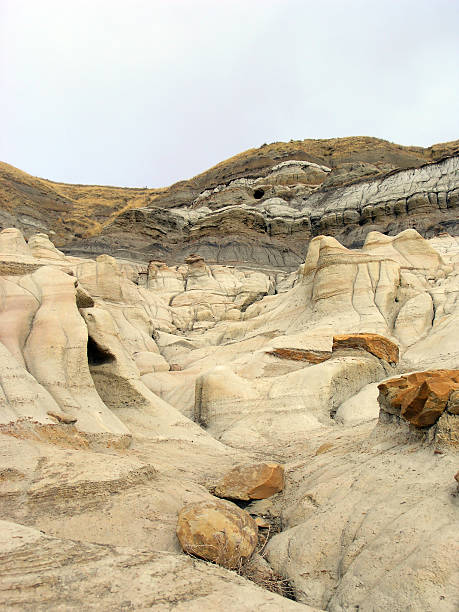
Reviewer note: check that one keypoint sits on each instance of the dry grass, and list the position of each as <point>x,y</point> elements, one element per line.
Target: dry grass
<point>271,582</point>
<point>264,576</point>
<point>336,148</point>
<point>83,210</point>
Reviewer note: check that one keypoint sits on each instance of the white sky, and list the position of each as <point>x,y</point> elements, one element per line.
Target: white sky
<point>148,92</point>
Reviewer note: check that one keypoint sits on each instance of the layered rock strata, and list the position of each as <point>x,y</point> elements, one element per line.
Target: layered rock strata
<point>264,223</point>
<point>40,572</point>
<point>70,212</point>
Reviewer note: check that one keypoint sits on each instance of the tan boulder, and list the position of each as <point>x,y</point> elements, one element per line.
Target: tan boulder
<point>217,531</point>
<point>420,398</point>
<point>255,481</point>
<point>377,345</point>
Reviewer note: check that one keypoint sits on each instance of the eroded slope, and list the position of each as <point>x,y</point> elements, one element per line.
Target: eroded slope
<point>71,212</point>
<point>128,392</point>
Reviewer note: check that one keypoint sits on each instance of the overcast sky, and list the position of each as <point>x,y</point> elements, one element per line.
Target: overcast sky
<point>148,92</point>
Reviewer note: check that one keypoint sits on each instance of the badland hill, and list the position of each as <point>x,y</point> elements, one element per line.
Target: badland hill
<point>240,392</point>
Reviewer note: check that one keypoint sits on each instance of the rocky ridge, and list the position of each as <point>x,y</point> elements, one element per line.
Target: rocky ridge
<point>269,221</point>
<point>257,209</point>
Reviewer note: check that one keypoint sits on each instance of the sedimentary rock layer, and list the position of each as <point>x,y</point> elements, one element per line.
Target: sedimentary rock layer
<point>260,207</point>
<point>259,222</point>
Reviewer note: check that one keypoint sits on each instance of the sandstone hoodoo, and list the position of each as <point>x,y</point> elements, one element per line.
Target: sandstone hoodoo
<point>256,481</point>
<point>217,531</point>
<point>145,383</point>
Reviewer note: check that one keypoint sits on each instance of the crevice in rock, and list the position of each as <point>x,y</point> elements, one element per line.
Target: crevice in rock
<point>266,578</point>
<point>258,569</point>
<point>97,355</point>
<point>242,503</point>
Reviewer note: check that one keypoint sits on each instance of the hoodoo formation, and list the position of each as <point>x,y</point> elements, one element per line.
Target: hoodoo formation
<point>239,392</point>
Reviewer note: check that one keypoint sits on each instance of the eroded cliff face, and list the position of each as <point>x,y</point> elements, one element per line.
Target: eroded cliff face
<point>129,391</point>
<point>350,158</point>
<point>260,207</point>
<point>268,222</point>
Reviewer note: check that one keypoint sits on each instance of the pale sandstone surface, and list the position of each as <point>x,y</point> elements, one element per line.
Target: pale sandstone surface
<point>171,390</point>
<point>371,523</point>
<point>363,406</point>
<point>43,334</point>
<point>104,497</point>
<point>40,572</point>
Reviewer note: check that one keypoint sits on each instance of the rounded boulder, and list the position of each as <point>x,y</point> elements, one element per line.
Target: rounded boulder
<point>217,531</point>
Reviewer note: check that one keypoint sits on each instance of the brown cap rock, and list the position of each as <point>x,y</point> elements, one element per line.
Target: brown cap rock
<point>377,345</point>
<point>193,258</point>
